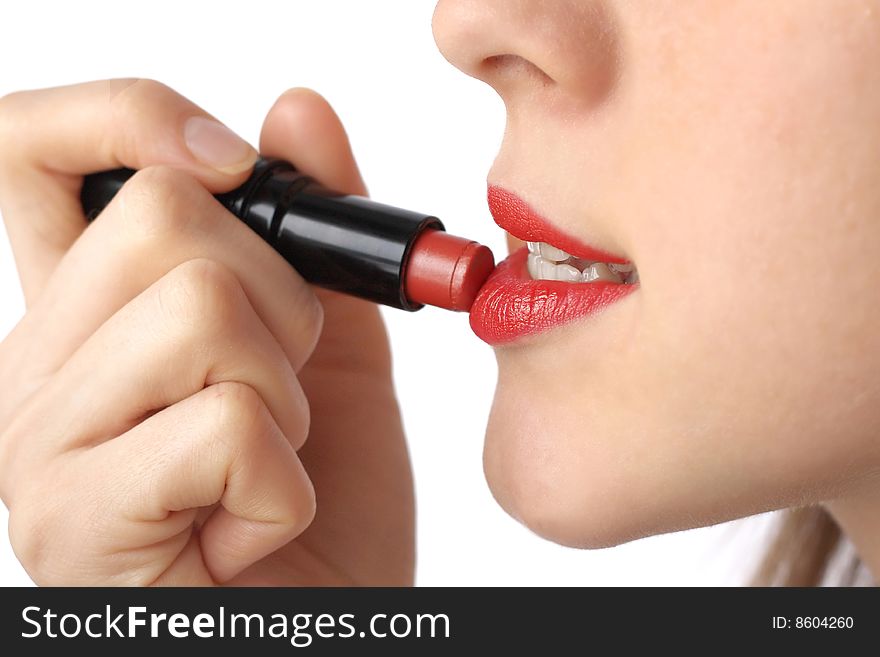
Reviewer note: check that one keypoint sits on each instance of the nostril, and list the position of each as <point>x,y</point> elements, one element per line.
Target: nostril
<point>509,66</point>
<point>567,50</point>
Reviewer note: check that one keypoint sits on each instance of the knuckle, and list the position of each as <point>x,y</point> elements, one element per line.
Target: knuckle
<point>11,111</point>
<point>302,508</point>
<point>11,445</point>
<point>240,415</point>
<point>299,404</point>
<point>158,203</point>
<point>204,295</point>
<point>133,90</point>
<point>32,524</point>
<point>307,321</point>
<point>7,100</point>
<point>23,448</point>
<point>314,318</point>
<point>296,511</point>
<point>8,103</point>
<point>12,103</point>
<point>133,95</point>
<point>130,104</point>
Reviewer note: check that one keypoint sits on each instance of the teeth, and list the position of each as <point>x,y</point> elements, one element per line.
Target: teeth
<point>551,271</point>
<point>552,253</point>
<point>623,270</point>
<point>548,252</point>
<point>599,271</point>
<point>568,273</point>
<point>546,269</point>
<point>547,262</point>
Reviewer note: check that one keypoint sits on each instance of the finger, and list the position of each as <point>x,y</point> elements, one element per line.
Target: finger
<point>159,220</point>
<point>193,328</point>
<point>220,445</point>
<point>53,136</point>
<point>302,128</point>
<point>132,122</point>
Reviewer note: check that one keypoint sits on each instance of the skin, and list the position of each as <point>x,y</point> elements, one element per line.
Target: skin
<point>730,149</point>
<point>160,388</point>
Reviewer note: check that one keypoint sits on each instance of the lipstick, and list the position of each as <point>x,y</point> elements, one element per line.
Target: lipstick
<point>511,304</point>
<point>343,242</point>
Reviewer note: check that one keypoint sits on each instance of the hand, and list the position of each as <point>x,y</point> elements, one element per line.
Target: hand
<point>158,392</point>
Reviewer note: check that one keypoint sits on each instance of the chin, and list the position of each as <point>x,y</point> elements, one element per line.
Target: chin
<point>548,473</point>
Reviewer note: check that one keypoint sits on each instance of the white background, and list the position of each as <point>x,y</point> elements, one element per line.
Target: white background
<point>425,136</point>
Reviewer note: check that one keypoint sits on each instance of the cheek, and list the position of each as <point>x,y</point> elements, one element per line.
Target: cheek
<point>661,436</point>
<point>717,397</point>
<point>754,201</point>
<point>742,376</point>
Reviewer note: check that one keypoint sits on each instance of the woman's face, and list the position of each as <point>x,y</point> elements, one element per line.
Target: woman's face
<point>729,149</point>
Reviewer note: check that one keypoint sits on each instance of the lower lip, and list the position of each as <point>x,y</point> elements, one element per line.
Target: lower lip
<point>512,305</point>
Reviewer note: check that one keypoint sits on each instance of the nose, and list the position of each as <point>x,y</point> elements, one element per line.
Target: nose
<point>562,51</point>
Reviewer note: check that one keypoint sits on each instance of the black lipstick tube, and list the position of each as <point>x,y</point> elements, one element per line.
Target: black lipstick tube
<point>346,243</point>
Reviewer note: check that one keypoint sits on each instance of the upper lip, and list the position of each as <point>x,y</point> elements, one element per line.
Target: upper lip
<point>520,220</point>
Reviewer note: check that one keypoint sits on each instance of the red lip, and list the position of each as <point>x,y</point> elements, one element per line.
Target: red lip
<point>516,217</point>
<point>511,304</point>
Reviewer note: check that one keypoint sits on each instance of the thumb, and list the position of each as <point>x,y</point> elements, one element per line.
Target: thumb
<point>52,137</point>
<point>303,129</point>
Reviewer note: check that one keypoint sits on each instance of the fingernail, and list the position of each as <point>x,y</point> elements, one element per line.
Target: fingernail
<point>214,144</point>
